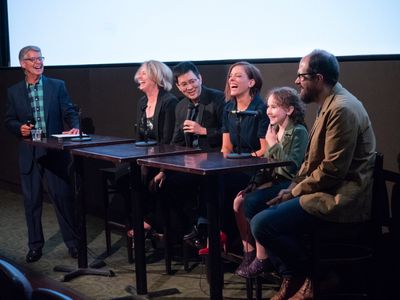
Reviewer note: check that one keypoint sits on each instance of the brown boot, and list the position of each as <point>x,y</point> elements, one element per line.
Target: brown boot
<point>289,286</point>
<point>306,291</point>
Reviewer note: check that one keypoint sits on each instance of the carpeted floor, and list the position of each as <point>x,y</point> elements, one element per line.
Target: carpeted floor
<point>181,285</point>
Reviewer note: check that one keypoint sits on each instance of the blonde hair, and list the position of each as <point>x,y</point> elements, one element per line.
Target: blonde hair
<point>159,72</point>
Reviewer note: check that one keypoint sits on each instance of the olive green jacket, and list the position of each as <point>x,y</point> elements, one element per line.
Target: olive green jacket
<point>292,147</point>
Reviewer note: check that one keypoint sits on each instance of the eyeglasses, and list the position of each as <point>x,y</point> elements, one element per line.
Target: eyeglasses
<point>184,85</point>
<point>35,59</point>
<point>302,76</point>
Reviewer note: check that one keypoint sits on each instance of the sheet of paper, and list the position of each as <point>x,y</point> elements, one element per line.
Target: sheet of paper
<point>66,135</point>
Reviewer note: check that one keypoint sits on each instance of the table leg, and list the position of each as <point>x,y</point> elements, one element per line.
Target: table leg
<point>135,186</point>
<point>82,269</point>
<point>216,276</point>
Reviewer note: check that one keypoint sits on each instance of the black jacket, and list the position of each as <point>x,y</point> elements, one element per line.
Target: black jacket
<point>211,106</point>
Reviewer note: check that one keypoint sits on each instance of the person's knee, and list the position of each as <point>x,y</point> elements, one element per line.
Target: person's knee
<point>238,204</point>
<point>250,206</point>
<point>255,225</point>
<point>260,227</point>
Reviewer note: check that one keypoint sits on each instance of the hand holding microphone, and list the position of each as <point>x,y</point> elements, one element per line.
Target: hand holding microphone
<point>25,129</point>
<point>193,127</point>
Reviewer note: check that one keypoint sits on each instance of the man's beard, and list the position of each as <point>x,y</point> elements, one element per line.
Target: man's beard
<point>309,95</point>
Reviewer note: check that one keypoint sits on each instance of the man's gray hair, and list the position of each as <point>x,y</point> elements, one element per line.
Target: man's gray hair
<point>26,49</point>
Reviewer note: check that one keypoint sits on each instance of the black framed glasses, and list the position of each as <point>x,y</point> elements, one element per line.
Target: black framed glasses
<point>35,59</point>
<point>303,76</point>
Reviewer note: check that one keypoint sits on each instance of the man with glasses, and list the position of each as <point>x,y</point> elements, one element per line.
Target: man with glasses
<point>334,183</point>
<point>198,124</point>
<point>199,114</point>
<point>42,103</point>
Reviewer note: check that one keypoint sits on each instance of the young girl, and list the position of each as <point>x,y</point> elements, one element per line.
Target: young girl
<point>286,139</point>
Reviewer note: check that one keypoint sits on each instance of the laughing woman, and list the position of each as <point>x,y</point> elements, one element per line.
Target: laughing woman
<point>242,90</point>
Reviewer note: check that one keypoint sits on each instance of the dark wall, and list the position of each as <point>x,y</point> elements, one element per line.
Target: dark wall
<point>108,95</point>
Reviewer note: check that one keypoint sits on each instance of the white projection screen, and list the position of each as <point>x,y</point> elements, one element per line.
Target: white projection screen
<point>84,32</point>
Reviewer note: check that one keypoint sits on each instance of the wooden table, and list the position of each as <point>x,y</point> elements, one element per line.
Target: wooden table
<point>210,166</point>
<point>128,153</point>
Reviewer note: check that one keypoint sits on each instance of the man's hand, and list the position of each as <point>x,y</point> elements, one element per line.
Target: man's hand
<point>72,131</point>
<point>26,129</point>
<point>284,195</point>
<point>193,127</point>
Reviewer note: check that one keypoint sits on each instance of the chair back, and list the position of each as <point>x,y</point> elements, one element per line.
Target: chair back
<point>380,202</point>
<point>13,283</point>
<point>392,179</point>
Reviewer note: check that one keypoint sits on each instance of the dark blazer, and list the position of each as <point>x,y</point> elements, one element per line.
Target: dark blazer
<point>164,116</point>
<point>57,107</point>
<point>210,113</point>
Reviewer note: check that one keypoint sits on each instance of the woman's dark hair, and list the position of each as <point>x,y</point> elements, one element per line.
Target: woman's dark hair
<point>252,72</point>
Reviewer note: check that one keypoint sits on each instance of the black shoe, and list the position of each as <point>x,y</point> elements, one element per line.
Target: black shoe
<point>73,252</point>
<point>33,255</point>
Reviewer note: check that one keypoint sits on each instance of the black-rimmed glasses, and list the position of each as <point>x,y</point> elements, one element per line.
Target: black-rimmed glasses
<point>302,76</point>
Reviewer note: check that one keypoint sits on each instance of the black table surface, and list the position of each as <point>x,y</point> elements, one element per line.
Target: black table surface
<point>129,152</point>
<point>209,163</point>
<point>67,144</point>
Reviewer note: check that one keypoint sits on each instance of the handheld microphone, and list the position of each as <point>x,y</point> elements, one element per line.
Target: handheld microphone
<point>190,111</point>
<point>31,121</point>
<point>189,116</point>
<point>246,112</point>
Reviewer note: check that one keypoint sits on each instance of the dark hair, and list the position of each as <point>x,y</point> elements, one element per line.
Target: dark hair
<point>324,63</point>
<point>184,67</point>
<point>252,72</point>
<point>287,97</point>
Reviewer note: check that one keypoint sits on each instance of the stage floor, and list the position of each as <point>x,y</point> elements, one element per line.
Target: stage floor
<point>181,285</point>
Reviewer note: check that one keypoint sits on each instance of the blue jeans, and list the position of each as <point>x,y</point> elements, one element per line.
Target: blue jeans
<point>255,201</point>
<point>280,229</point>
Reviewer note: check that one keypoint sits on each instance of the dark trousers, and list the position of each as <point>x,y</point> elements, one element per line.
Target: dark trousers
<point>281,229</point>
<point>53,169</point>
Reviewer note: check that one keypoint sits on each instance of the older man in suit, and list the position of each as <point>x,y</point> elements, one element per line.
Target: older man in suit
<point>42,103</point>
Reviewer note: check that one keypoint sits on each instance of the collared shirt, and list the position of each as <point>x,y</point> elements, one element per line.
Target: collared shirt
<point>35,94</point>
